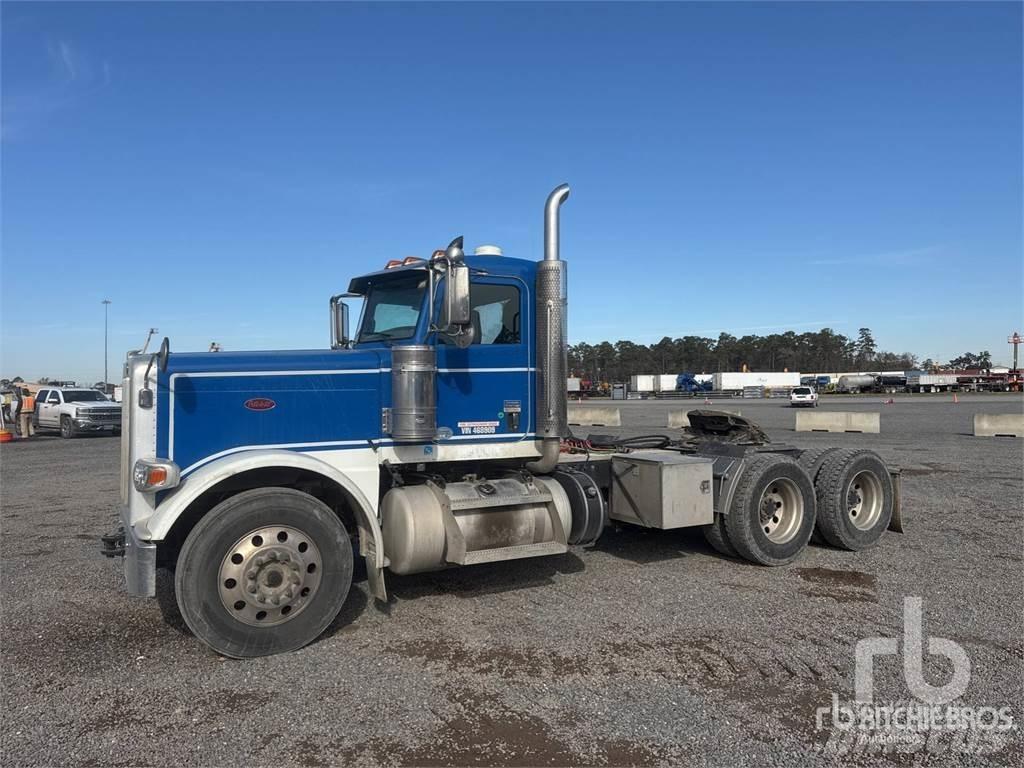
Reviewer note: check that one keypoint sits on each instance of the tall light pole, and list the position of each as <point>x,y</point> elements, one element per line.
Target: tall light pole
<point>106,306</point>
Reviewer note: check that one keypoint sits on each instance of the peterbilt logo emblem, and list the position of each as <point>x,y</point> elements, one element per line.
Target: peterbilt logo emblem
<point>259,404</point>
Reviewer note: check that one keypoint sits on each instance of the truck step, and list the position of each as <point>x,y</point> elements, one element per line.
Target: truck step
<point>514,553</point>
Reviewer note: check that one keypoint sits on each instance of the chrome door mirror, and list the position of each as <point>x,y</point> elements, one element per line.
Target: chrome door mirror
<point>456,292</point>
<point>339,322</point>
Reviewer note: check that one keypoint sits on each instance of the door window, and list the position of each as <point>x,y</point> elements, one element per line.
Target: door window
<point>496,314</point>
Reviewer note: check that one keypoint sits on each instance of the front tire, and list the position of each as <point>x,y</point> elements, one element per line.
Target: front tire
<point>67,428</point>
<point>264,572</point>
<point>771,516</point>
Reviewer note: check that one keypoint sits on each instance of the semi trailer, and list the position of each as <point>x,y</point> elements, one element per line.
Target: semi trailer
<point>433,435</point>
<point>737,381</point>
<point>856,383</point>
<point>643,382</point>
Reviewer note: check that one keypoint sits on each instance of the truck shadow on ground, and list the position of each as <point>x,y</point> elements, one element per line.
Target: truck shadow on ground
<point>489,578</point>
<point>648,545</point>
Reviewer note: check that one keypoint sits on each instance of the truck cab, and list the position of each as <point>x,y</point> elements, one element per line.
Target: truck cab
<point>428,436</point>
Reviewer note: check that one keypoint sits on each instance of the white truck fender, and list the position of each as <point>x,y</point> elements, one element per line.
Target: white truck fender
<point>371,541</point>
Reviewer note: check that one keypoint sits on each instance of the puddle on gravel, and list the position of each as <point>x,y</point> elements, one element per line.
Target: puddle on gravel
<point>929,468</point>
<point>833,578</point>
<point>841,586</point>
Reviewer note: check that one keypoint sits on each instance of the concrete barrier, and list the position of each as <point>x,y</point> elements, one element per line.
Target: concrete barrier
<point>999,424</point>
<point>837,421</point>
<point>680,419</point>
<point>594,416</point>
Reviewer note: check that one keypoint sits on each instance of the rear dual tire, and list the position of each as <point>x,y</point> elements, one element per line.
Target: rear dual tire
<point>771,515</point>
<point>855,498</point>
<point>718,537</point>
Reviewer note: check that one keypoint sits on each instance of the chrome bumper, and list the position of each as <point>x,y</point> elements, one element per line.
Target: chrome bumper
<point>96,426</point>
<point>139,560</point>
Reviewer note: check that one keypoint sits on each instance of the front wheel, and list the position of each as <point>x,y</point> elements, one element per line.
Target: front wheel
<point>67,428</point>
<point>264,572</point>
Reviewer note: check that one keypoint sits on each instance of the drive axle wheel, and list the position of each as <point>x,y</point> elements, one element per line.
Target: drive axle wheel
<point>264,572</point>
<point>67,428</point>
<point>772,514</point>
<point>811,460</point>
<point>855,499</point>
<point>718,537</point>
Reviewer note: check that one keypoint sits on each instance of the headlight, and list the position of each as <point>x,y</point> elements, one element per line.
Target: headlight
<point>78,412</point>
<point>155,475</point>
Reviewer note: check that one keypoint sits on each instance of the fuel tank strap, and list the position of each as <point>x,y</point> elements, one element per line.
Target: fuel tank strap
<point>499,501</point>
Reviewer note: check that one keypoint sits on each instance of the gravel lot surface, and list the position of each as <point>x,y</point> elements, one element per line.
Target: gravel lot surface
<point>648,649</point>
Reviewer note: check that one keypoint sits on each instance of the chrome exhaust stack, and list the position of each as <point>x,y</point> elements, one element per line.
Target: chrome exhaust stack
<point>552,363</point>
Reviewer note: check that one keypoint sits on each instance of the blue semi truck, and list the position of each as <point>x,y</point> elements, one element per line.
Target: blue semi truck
<point>687,382</point>
<point>429,436</point>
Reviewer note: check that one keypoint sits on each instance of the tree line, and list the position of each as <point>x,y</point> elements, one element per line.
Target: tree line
<point>823,350</point>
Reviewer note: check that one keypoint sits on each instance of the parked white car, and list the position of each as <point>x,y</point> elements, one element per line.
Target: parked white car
<point>74,411</point>
<point>803,396</point>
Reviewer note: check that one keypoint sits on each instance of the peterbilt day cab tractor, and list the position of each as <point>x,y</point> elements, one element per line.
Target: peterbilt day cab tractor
<point>434,436</point>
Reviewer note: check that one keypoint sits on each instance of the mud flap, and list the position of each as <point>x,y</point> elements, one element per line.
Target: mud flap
<point>374,563</point>
<point>896,521</point>
<point>375,578</point>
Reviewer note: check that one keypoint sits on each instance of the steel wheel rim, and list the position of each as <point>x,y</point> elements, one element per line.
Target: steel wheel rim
<point>864,499</point>
<point>269,575</point>
<point>781,510</point>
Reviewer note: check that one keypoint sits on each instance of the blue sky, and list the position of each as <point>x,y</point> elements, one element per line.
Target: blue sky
<point>217,171</point>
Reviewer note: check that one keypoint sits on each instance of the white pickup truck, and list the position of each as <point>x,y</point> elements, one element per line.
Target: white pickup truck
<point>74,411</point>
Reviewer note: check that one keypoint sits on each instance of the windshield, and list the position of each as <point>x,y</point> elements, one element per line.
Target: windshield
<point>83,396</point>
<point>802,391</point>
<point>393,308</point>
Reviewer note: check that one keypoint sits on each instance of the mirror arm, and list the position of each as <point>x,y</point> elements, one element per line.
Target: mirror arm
<point>339,336</point>
<point>333,304</point>
<point>438,257</point>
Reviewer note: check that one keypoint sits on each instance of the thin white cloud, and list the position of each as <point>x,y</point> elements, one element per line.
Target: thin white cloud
<point>73,77</point>
<point>67,58</point>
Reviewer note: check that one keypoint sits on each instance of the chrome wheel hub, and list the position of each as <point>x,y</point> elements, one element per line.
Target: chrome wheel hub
<point>864,500</point>
<point>269,575</point>
<point>781,510</point>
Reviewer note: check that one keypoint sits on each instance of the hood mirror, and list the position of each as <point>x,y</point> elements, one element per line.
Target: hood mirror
<point>164,353</point>
<point>160,358</point>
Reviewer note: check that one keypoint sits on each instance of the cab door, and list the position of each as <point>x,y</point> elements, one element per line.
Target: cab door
<point>484,392</point>
<point>49,409</point>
